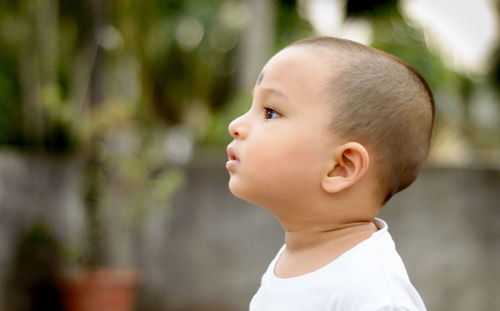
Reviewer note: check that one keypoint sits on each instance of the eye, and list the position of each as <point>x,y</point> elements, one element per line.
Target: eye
<point>271,113</point>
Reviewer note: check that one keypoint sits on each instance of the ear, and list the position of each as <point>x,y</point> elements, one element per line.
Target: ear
<point>349,164</point>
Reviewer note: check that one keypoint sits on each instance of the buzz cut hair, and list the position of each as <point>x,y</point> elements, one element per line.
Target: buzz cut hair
<point>381,102</point>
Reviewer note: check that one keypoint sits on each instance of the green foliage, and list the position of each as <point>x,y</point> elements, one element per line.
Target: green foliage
<point>290,26</point>
<point>158,60</point>
<point>170,53</point>
<point>371,8</point>
<point>186,52</point>
<point>217,128</point>
<point>9,110</point>
<point>393,35</point>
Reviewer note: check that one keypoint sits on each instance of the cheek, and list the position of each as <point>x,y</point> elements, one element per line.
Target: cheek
<point>290,162</point>
<point>278,164</point>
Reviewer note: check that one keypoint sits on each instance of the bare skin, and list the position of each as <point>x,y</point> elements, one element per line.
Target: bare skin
<point>306,252</point>
<point>285,158</point>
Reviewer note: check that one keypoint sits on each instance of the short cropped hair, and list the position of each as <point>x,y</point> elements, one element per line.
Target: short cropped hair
<point>384,104</point>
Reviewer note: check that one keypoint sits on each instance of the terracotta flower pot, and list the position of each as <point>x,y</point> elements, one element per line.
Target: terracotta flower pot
<point>99,290</point>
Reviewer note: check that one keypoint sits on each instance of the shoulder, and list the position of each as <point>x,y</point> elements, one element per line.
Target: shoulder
<point>373,277</point>
<point>371,288</point>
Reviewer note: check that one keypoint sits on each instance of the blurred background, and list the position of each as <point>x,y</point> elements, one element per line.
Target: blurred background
<point>113,127</point>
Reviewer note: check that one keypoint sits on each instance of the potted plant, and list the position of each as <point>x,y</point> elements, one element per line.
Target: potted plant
<point>125,162</point>
<point>94,282</point>
<point>56,103</point>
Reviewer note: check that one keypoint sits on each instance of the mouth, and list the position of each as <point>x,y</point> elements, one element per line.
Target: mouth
<point>233,160</point>
<point>231,154</point>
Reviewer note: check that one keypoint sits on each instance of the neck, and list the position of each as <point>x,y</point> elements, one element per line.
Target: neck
<point>312,237</point>
<point>312,227</point>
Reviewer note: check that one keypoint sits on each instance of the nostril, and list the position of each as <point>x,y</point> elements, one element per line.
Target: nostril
<point>238,129</point>
<point>232,129</point>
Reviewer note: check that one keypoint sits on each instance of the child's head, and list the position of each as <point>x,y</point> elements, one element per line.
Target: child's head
<point>326,113</point>
<point>383,103</point>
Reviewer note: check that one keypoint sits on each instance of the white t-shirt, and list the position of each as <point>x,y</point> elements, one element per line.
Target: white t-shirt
<point>368,277</point>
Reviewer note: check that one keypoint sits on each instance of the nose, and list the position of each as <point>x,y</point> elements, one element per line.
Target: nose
<point>237,128</point>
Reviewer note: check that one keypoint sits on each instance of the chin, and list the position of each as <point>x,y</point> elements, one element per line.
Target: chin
<point>240,192</point>
<point>235,189</point>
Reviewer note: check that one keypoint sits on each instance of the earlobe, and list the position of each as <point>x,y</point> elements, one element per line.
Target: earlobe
<point>349,165</point>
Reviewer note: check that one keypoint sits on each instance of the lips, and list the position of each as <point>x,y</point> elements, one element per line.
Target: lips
<point>233,161</point>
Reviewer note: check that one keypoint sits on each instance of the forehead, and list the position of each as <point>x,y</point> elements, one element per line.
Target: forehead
<point>297,72</point>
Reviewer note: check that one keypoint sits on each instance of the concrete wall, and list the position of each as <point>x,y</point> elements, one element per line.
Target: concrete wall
<point>209,249</point>
<point>36,189</point>
<point>446,227</point>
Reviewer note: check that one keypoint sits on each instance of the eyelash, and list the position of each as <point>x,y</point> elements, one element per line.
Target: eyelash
<point>270,111</point>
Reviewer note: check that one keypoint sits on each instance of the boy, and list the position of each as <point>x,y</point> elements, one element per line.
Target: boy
<point>335,129</point>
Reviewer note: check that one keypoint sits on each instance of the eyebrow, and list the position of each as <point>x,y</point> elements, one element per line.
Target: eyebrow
<point>261,76</point>
<point>269,92</point>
